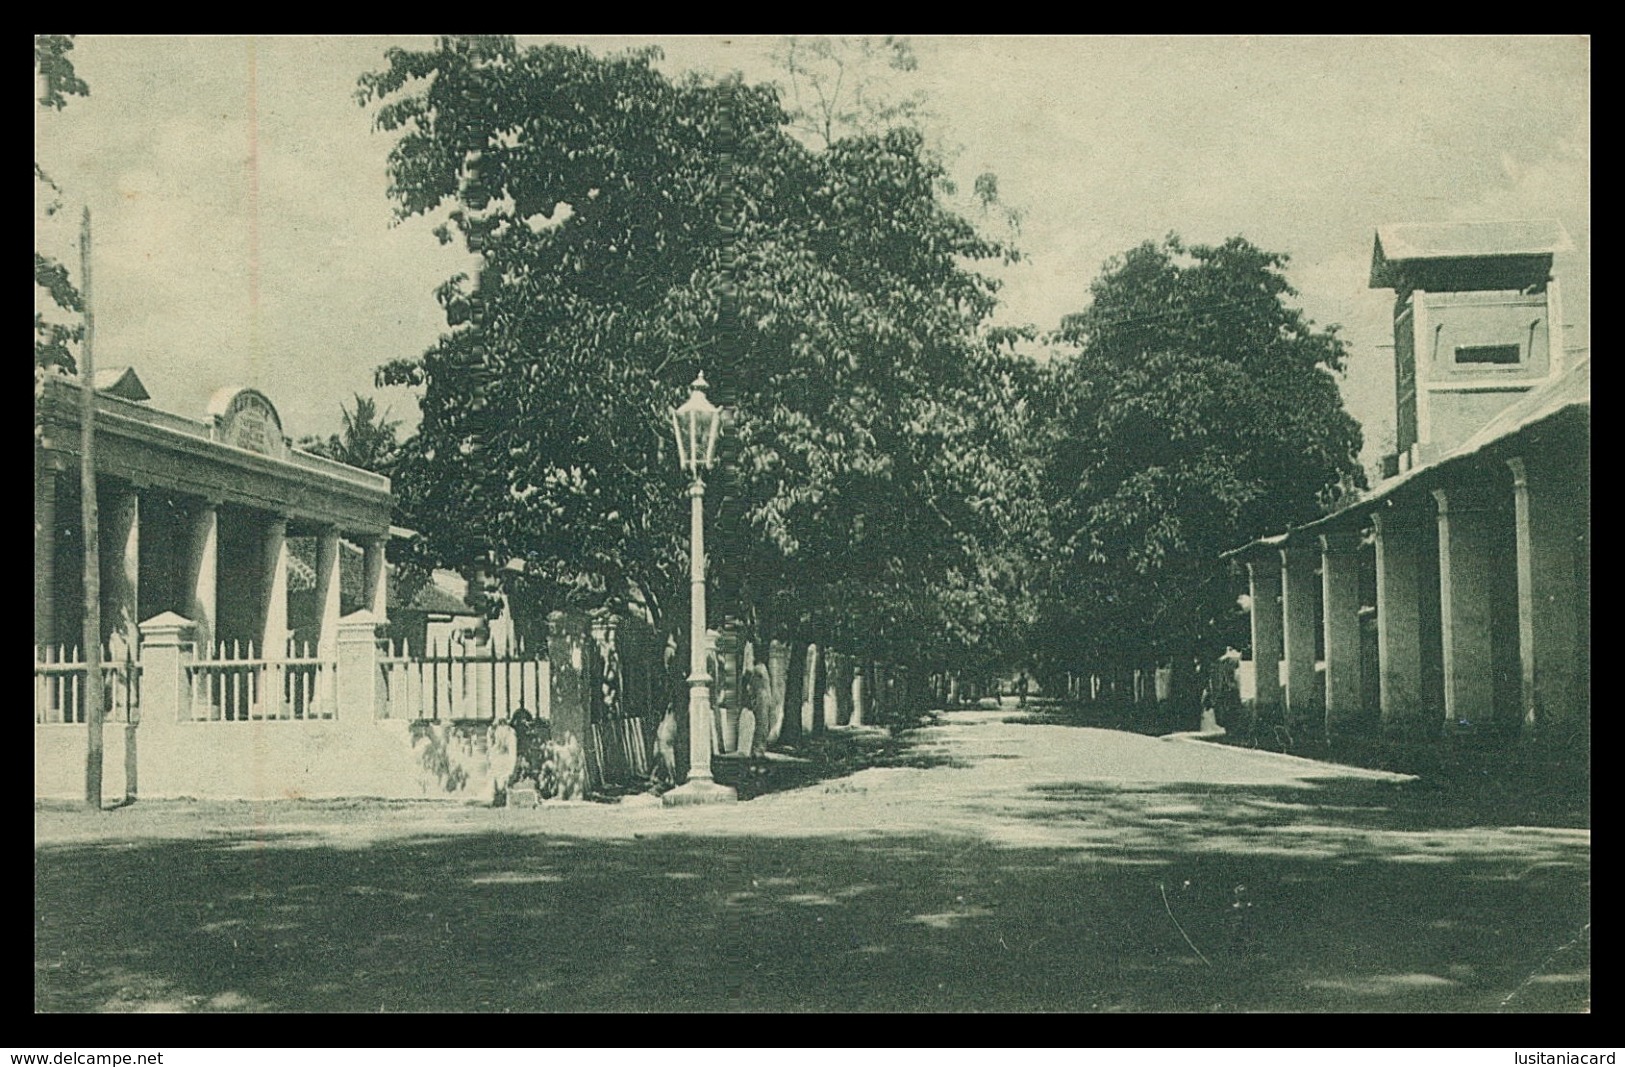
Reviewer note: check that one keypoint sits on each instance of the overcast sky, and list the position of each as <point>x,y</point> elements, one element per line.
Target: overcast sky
<point>243,234</point>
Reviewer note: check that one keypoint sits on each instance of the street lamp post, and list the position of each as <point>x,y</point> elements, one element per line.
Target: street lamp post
<point>696,425</point>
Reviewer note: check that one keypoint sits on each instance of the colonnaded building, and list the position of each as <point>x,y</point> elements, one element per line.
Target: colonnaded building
<point>1456,594</point>
<point>252,646</point>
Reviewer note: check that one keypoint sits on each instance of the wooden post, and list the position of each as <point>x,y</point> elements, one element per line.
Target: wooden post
<point>92,553</point>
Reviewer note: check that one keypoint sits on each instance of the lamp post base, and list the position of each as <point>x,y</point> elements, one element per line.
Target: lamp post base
<point>699,791</point>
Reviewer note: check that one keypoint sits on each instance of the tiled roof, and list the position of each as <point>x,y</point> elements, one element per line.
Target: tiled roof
<point>121,382</point>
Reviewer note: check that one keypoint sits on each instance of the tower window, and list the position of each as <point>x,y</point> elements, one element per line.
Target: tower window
<point>1492,354</point>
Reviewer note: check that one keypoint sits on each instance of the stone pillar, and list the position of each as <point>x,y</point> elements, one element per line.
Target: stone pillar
<point>155,754</point>
<point>838,689</point>
<point>202,573</point>
<point>778,669</point>
<point>166,647</point>
<point>1340,619</point>
<point>355,650</point>
<point>813,692</point>
<point>860,690</point>
<point>1466,551</point>
<point>375,579</point>
<point>1548,538</point>
<point>572,681</point>
<point>1305,700</point>
<point>726,678</point>
<point>1399,619</point>
<point>327,590</point>
<point>44,555</point>
<point>831,665</point>
<point>1264,582</point>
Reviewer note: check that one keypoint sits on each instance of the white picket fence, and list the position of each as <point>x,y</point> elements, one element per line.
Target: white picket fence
<point>240,684</point>
<point>462,681</point>
<point>59,686</point>
<point>236,682</point>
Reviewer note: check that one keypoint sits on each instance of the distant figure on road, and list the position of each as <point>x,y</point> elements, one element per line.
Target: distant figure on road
<point>1224,688</point>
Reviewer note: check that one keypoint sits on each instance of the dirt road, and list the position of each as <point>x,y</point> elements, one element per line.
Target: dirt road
<point>1005,865</point>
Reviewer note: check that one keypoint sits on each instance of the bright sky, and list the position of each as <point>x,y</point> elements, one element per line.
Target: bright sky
<point>243,234</point>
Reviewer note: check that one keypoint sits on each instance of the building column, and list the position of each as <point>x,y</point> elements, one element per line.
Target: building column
<point>1264,582</point>
<point>1399,619</point>
<point>375,579</point>
<point>328,587</point>
<point>202,573</point>
<point>1548,530</point>
<point>1466,550</point>
<point>121,591</point>
<point>121,574</point>
<point>44,555</point>
<point>274,625</point>
<point>1305,700</point>
<point>1340,619</point>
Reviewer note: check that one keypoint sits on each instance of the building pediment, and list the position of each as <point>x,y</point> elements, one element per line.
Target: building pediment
<point>245,418</point>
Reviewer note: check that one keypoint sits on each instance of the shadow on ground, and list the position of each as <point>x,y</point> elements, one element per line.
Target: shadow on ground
<point>1461,781</point>
<point>1291,905</point>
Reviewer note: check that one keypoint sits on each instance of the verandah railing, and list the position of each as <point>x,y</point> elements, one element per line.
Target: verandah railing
<point>59,685</point>
<point>459,681</point>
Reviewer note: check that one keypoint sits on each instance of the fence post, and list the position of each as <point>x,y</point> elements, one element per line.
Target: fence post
<point>166,701</point>
<point>166,647</point>
<point>355,687</point>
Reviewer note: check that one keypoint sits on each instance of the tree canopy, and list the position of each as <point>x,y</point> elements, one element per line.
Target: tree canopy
<point>634,230</point>
<point>368,439</point>
<point>1197,410</point>
<point>55,81</point>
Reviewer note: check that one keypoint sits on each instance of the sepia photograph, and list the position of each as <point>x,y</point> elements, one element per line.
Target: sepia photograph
<point>818,524</point>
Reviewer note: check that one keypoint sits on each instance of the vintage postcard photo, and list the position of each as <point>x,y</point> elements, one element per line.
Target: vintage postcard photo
<point>812,523</point>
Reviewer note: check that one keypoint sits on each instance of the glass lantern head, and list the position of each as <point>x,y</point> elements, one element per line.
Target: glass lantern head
<point>696,425</point>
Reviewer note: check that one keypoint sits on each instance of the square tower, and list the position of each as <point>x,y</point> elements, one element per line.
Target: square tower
<point>1477,323</point>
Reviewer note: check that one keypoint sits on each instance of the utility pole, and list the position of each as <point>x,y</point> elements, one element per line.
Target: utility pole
<point>91,539</point>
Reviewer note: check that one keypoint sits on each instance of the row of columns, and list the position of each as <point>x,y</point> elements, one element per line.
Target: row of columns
<point>200,578</point>
<point>1469,528</point>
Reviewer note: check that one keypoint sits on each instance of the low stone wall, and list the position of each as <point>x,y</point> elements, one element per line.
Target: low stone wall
<point>270,760</point>
<point>59,760</point>
<point>255,760</point>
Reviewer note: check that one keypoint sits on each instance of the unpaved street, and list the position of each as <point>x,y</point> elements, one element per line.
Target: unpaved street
<point>1007,862</point>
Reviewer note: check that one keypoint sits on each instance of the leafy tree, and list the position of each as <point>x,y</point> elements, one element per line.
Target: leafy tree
<point>845,86</point>
<point>368,439</point>
<point>634,230</point>
<point>1199,411</point>
<point>56,80</point>
<point>838,87</point>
